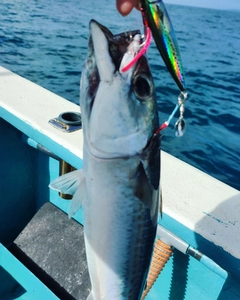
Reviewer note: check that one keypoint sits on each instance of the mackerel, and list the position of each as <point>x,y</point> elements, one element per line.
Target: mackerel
<point>118,185</point>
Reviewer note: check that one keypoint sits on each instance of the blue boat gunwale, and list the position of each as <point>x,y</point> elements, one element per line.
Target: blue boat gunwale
<point>35,289</point>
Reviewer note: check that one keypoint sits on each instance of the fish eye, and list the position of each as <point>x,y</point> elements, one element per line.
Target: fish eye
<point>142,87</point>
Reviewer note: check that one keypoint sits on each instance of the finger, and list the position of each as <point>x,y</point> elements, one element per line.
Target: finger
<point>126,6</point>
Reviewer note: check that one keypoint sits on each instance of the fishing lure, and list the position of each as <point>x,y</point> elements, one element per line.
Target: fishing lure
<point>155,16</point>
<point>157,22</point>
<point>156,19</point>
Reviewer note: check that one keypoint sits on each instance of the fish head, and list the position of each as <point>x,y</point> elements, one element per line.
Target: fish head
<point>119,110</point>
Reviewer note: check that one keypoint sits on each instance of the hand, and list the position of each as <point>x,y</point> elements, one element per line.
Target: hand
<point>126,6</point>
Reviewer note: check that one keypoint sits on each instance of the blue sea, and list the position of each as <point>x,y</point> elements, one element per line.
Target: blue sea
<point>46,42</point>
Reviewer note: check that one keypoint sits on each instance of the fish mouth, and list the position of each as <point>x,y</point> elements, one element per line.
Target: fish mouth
<point>117,44</point>
<point>105,54</point>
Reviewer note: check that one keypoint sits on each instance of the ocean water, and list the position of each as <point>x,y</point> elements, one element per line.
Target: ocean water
<point>46,42</point>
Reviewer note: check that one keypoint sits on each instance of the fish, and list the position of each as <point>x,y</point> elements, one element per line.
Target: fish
<point>118,185</point>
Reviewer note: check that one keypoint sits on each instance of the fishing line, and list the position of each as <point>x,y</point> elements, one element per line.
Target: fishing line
<point>180,124</point>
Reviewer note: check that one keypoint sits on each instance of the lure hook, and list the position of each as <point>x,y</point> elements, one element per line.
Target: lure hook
<point>143,48</point>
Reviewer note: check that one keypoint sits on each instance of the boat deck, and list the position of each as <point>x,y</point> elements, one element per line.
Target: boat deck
<point>196,207</point>
<point>52,247</point>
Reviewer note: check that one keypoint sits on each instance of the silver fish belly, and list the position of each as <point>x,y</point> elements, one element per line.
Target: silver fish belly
<point>120,227</point>
<point>118,185</point>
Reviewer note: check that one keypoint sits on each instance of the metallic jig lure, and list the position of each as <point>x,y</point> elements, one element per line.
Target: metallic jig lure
<point>156,17</point>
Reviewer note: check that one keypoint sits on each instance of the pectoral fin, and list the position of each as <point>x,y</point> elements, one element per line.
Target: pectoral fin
<point>78,198</point>
<point>74,184</point>
<point>150,159</point>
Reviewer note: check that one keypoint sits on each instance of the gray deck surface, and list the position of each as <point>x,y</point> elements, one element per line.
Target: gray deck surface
<point>52,247</point>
